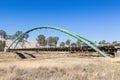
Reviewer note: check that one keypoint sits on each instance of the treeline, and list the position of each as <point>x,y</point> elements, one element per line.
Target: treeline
<point>47,41</point>
<point>6,36</point>
<point>53,41</point>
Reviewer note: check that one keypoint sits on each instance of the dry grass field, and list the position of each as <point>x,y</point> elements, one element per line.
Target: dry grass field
<point>65,68</point>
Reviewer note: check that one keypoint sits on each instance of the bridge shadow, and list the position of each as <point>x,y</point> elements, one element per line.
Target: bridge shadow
<point>21,55</point>
<point>31,55</point>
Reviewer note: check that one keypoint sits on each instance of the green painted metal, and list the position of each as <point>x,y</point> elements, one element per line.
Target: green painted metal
<point>81,38</point>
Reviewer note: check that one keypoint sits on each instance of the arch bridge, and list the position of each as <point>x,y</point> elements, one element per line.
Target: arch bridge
<point>75,35</point>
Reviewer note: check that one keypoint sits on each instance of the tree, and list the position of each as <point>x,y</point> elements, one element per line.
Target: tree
<point>2,45</point>
<point>52,41</point>
<point>114,42</point>
<point>18,33</point>
<point>55,40</point>
<point>79,43</point>
<point>41,40</point>
<point>62,44</point>
<point>11,37</point>
<point>68,42</point>
<point>84,44</point>
<point>26,36</point>
<point>103,42</point>
<point>3,34</point>
<point>73,44</point>
<point>22,39</point>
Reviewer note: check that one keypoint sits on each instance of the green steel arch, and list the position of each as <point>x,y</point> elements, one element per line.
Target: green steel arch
<point>77,36</point>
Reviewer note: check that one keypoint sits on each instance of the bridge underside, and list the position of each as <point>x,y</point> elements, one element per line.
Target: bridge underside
<point>81,38</point>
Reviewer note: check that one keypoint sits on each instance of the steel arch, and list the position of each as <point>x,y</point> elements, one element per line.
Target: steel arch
<point>77,36</point>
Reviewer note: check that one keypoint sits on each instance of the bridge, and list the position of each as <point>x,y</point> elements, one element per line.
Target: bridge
<point>110,50</point>
<point>91,47</point>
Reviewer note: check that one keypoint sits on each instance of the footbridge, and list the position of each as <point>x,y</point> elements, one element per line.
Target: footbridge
<point>89,43</point>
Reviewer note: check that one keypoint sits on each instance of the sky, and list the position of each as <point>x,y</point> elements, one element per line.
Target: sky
<point>95,19</point>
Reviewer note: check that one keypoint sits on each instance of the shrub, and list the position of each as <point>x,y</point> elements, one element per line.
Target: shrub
<point>2,45</point>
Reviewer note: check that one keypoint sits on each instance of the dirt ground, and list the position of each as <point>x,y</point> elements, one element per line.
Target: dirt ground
<point>32,66</point>
<point>42,54</point>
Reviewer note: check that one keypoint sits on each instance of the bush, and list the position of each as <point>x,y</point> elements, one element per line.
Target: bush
<point>2,45</point>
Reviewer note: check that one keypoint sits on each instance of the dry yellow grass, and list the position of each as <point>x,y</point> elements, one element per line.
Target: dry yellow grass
<point>66,68</point>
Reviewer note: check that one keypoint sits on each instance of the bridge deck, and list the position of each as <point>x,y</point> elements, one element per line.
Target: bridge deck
<point>110,50</point>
